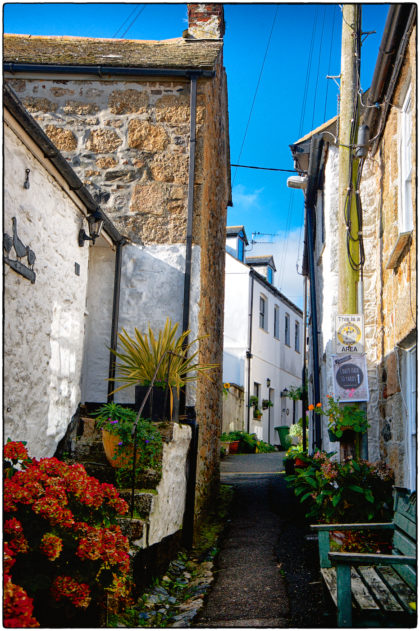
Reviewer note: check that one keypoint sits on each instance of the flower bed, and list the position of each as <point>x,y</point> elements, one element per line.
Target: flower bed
<point>64,552</point>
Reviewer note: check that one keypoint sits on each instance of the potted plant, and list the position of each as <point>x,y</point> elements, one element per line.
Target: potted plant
<point>266,403</point>
<point>342,418</point>
<point>116,423</point>
<point>225,443</point>
<point>168,357</point>
<point>253,403</point>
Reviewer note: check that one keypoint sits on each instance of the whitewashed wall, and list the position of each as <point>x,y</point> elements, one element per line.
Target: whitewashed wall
<point>270,357</point>
<point>168,505</point>
<point>152,287</point>
<point>44,321</point>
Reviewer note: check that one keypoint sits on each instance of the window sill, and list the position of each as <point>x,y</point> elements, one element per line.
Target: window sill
<point>403,240</point>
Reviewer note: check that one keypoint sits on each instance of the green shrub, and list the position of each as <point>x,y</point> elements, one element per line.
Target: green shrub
<point>356,491</point>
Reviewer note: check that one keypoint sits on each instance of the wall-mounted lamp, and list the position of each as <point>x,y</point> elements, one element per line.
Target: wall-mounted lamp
<point>284,393</point>
<point>95,222</point>
<point>268,382</point>
<point>297,181</point>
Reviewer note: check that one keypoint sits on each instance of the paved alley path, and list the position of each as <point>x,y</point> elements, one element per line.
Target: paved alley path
<point>263,543</point>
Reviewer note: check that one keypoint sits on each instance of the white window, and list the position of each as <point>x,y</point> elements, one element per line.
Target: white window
<point>287,329</point>
<point>263,312</point>
<point>297,336</point>
<point>405,217</point>
<point>276,322</point>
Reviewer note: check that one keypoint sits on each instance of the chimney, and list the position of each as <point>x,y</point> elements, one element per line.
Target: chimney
<point>205,21</point>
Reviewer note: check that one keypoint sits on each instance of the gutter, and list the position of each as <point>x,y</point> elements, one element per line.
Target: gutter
<point>102,71</point>
<point>115,319</point>
<point>310,201</point>
<point>397,30</point>
<point>15,107</point>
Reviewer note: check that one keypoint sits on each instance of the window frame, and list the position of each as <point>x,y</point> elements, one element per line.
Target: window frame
<point>276,327</point>
<point>287,329</point>
<point>405,206</point>
<point>297,336</point>
<point>263,315</point>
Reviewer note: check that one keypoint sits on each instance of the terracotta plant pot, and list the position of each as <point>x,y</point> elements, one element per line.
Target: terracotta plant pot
<point>234,446</point>
<point>300,463</point>
<point>110,443</point>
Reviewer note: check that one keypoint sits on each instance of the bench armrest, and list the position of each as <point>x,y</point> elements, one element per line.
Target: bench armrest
<point>367,526</point>
<point>361,558</point>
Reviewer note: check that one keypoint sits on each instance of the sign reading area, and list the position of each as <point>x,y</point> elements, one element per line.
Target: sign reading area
<point>350,377</point>
<point>349,333</point>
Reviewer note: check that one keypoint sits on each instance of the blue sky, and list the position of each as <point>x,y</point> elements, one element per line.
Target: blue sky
<point>293,93</point>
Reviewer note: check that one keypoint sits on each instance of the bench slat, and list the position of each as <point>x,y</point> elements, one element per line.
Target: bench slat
<point>379,589</point>
<point>401,590</point>
<point>330,578</point>
<point>408,574</point>
<point>360,592</point>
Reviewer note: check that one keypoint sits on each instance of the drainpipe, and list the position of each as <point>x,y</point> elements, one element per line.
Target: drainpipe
<point>190,213</point>
<point>249,351</point>
<point>115,317</point>
<point>310,202</point>
<point>304,386</point>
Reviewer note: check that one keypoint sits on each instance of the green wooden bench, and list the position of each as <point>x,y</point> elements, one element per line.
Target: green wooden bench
<point>377,588</point>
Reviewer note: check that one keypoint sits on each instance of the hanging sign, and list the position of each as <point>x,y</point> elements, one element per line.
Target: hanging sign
<point>349,333</point>
<point>350,377</point>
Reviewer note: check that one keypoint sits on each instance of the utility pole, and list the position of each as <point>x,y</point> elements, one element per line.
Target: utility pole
<point>348,277</point>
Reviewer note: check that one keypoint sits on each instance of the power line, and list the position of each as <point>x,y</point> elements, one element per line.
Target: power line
<point>329,62</point>
<point>131,23</point>
<point>256,90</point>
<point>245,166</point>
<point>125,22</point>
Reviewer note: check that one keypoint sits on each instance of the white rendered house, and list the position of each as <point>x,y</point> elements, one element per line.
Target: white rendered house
<point>263,339</point>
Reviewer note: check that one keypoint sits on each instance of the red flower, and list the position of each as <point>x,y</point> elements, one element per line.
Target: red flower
<point>68,587</point>
<point>51,546</point>
<point>17,606</point>
<point>15,451</point>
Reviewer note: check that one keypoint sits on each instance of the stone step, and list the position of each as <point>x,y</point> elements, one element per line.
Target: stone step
<point>143,501</point>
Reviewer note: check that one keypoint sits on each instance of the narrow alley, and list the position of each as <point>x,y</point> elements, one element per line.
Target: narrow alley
<point>268,569</point>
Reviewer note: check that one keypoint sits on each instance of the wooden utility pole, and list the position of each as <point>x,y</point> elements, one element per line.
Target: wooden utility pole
<point>348,218</point>
<point>348,277</point>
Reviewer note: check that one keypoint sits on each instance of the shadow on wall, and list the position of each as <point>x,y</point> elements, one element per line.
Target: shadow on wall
<point>233,365</point>
<point>152,289</point>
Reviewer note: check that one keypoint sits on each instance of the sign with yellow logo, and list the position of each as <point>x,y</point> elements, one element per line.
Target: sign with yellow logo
<point>350,336</point>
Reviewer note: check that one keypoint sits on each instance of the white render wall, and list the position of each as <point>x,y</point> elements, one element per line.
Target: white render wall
<point>271,358</point>
<point>44,321</point>
<point>152,287</point>
<point>168,505</point>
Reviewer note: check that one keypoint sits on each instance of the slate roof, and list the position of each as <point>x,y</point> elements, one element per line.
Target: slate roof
<point>261,260</point>
<point>62,50</point>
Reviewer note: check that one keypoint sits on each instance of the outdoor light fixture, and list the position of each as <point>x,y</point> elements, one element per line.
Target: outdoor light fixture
<point>297,181</point>
<point>268,382</point>
<point>95,222</point>
<point>284,393</point>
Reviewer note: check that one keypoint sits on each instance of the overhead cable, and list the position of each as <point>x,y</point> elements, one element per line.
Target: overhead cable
<point>256,90</point>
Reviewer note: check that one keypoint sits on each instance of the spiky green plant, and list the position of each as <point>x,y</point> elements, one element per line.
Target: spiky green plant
<point>137,361</point>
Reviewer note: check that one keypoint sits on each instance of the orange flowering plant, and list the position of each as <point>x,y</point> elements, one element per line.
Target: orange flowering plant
<point>63,547</point>
<point>342,417</point>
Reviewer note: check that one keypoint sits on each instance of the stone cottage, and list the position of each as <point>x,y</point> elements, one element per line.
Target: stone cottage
<point>388,198</point>
<point>145,126</point>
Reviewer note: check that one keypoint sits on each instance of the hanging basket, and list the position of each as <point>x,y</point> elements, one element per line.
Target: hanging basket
<point>111,447</point>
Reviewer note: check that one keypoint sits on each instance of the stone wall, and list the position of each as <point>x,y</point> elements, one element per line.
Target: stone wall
<point>43,321</point>
<point>395,288</point>
<point>233,409</point>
